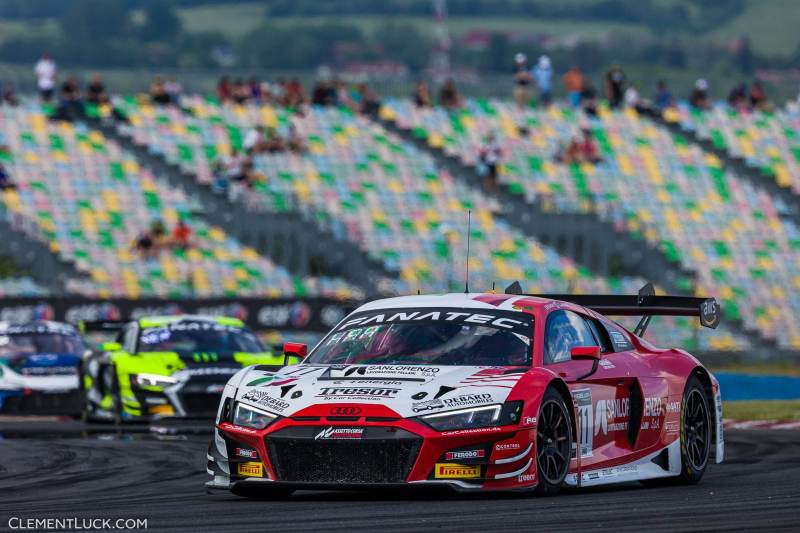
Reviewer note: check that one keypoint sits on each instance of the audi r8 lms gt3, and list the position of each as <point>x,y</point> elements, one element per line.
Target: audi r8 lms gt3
<point>168,366</point>
<point>39,366</point>
<point>475,391</point>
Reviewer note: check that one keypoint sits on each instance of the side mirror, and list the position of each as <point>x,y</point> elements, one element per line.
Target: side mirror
<point>585,352</point>
<point>111,347</point>
<point>294,352</point>
<point>592,353</point>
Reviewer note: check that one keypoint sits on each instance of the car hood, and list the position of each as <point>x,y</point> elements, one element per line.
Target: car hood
<point>217,366</point>
<point>406,390</point>
<point>44,363</point>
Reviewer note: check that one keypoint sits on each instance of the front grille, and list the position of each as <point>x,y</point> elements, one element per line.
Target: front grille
<point>44,403</point>
<point>368,460</point>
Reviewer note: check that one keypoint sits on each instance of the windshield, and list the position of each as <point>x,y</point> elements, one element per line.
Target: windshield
<point>199,337</point>
<point>12,344</point>
<point>429,337</point>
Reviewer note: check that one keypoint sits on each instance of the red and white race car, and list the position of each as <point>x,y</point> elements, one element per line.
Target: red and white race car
<point>478,392</point>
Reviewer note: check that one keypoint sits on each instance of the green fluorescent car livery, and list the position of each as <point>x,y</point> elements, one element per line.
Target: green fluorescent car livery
<point>170,366</point>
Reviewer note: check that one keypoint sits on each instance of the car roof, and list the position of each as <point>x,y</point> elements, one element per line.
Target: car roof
<point>486,300</point>
<point>160,321</point>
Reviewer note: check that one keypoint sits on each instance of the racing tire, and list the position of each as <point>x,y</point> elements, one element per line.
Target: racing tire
<point>108,375</point>
<point>83,416</point>
<point>88,414</point>
<point>553,443</point>
<point>258,492</point>
<point>695,432</point>
<point>116,405</point>
<point>695,420</point>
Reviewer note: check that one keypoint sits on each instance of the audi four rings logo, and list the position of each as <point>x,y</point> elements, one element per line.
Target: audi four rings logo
<point>346,411</point>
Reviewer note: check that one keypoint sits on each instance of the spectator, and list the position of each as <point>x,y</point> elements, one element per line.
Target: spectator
<point>295,142</point>
<point>737,98</point>
<point>279,92</point>
<point>224,92</point>
<point>9,95</point>
<point>174,90</point>
<point>295,94</point>
<point>581,149</point>
<point>615,86</point>
<point>422,96</point>
<point>634,100</point>
<point>324,93</point>
<point>344,97</point>
<point>254,139</point>
<point>236,173</point>
<point>70,106</point>
<point>758,97</point>
<point>522,80</point>
<point>5,179</point>
<point>663,97</point>
<point>588,99</point>
<point>219,184</point>
<point>543,74</point>
<point>590,153</point>
<point>46,73</point>
<point>96,91</point>
<point>273,143</point>
<point>489,157</point>
<point>369,102</point>
<point>267,93</point>
<point>240,91</point>
<point>158,232</point>
<point>254,88</point>
<point>572,153</point>
<point>699,96</point>
<point>181,235</point>
<point>574,83</point>
<point>144,245</point>
<point>226,170</point>
<point>449,97</point>
<point>158,92</point>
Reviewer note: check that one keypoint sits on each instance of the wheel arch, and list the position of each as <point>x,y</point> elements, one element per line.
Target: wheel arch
<point>704,376</point>
<point>561,388</point>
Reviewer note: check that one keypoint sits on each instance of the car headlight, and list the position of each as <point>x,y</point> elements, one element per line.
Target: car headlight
<point>252,417</point>
<point>473,417</point>
<point>154,380</point>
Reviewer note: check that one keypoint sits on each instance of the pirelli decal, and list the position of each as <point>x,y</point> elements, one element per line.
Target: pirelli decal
<point>251,469</point>
<point>456,471</point>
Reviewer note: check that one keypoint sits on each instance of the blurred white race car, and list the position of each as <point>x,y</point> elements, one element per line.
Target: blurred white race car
<point>39,367</point>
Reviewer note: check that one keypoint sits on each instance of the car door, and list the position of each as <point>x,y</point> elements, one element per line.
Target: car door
<point>601,389</point>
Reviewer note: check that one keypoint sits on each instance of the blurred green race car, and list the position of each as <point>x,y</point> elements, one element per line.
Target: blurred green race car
<point>172,366</point>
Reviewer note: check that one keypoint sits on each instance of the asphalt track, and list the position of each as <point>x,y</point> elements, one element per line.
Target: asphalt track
<point>63,469</point>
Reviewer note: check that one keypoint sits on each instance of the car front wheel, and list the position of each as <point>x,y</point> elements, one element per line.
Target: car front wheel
<point>553,443</point>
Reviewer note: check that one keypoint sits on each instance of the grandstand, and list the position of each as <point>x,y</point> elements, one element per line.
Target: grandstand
<point>652,184</point>
<point>365,184</point>
<point>87,197</point>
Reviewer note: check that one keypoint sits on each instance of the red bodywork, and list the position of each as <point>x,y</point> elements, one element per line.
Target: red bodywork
<point>654,379</point>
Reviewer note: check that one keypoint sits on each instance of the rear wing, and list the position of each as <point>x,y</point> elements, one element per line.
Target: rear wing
<point>645,304</point>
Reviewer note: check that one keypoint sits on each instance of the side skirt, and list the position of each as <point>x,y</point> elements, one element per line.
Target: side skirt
<point>638,470</point>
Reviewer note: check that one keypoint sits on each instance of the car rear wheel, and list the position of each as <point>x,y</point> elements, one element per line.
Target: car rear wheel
<point>259,492</point>
<point>553,443</point>
<point>695,432</point>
